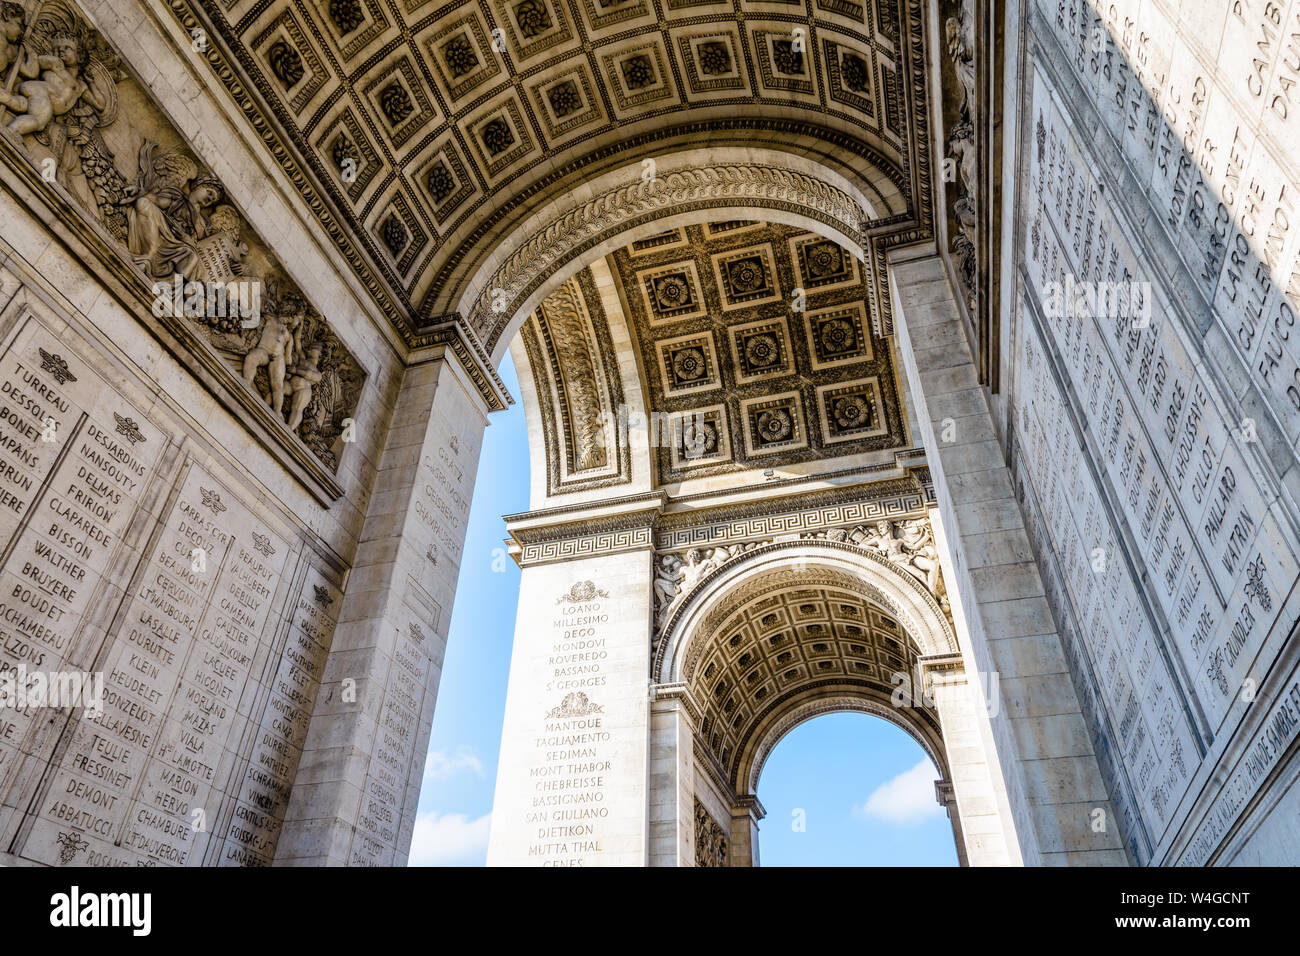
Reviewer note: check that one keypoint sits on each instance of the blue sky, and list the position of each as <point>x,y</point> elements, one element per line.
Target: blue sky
<point>865,798</point>
<point>863,791</point>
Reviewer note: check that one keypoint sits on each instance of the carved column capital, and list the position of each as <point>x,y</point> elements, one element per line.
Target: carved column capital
<point>748,805</point>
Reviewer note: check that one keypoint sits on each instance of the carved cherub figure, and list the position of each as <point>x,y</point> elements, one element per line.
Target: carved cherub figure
<point>305,375</point>
<point>13,23</point>
<point>55,85</point>
<point>276,348</point>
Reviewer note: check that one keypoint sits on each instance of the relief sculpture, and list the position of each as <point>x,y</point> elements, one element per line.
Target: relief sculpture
<point>711,844</point>
<point>677,574</point>
<point>959,32</point>
<point>76,111</point>
<point>907,543</point>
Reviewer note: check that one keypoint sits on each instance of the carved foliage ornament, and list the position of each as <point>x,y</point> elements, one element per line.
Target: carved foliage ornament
<point>167,215</point>
<point>582,592</point>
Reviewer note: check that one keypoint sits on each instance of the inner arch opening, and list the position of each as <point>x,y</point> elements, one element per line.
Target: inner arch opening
<point>852,789</point>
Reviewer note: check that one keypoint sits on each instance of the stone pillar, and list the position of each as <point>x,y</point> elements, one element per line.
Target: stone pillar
<point>358,784</point>
<point>947,798</point>
<point>1041,742</point>
<point>973,809</point>
<point>573,774</point>
<point>744,830</point>
<point>672,772</point>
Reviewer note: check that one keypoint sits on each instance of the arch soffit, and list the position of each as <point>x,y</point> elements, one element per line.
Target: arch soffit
<point>523,265</point>
<point>791,564</point>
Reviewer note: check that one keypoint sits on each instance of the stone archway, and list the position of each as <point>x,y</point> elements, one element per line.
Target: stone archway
<point>780,634</point>
<point>689,187</point>
<point>833,702</point>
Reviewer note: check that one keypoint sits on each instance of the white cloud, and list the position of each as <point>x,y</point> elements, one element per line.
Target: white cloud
<point>449,839</point>
<point>908,798</point>
<point>439,763</point>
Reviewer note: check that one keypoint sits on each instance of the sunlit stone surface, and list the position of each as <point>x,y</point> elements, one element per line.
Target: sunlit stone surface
<point>938,369</point>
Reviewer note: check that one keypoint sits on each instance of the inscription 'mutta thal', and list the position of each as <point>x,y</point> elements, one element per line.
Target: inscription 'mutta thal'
<point>930,357</point>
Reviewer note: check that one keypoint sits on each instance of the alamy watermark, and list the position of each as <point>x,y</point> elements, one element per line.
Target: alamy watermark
<point>239,299</point>
<point>27,690</point>
<point>1099,300</point>
<point>917,689</point>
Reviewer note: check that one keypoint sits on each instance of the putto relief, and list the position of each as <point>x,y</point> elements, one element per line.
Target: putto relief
<point>89,126</point>
<point>906,543</point>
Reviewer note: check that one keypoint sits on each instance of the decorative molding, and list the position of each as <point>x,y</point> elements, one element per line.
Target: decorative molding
<point>586,545</point>
<point>750,521</point>
<point>579,229</point>
<point>578,389</point>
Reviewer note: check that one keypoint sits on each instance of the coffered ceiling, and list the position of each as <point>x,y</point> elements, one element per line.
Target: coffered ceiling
<point>750,373</point>
<point>421,132</point>
<point>756,344</point>
<point>777,646</point>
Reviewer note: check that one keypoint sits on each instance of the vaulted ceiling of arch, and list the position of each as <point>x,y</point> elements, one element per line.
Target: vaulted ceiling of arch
<point>740,375</point>
<point>419,130</point>
<point>776,646</point>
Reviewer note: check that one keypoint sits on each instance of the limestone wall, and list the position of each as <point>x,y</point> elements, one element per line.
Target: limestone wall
<point>1153,439</point>
<point>161,526</point>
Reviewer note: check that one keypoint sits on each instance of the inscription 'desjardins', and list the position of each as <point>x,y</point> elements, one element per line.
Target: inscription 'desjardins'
<point>565,822</point>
